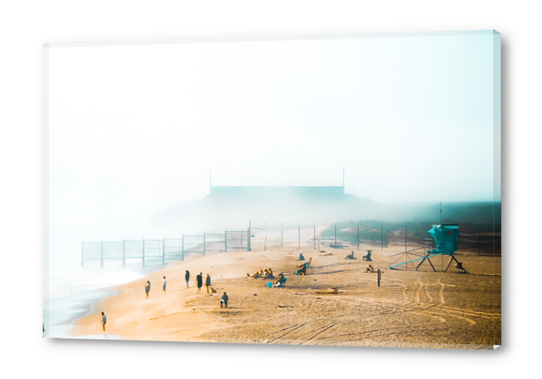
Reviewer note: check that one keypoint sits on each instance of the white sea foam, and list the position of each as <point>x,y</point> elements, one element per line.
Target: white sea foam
<point>70,292</point>
<point>65,281</point>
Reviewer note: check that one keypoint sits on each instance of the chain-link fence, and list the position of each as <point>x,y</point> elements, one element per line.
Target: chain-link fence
<point>215,242</point>
<point>92,253</point>
<point>193,244</point>
<point>237,240</point>
<point>279,236</point>
<point>153,252</point>
<point>173,249</point>
<point>267,236</point>
<point>116,253</point>
<point>348,235</point>
<point>133,249</point>
<point>150,252</point>
<point>161,251</point>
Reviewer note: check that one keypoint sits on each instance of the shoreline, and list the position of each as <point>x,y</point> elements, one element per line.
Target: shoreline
<point>116,288</point>
<point>126,288</point>
<point>60,323</point>
<point>62,311</point>
<point>422,309</point>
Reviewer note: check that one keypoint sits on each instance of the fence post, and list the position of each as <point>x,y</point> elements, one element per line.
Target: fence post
<point>281,236</point>
<point>204,237</point>
<point>378,274</point>
<point>479,243</point>
<point>143,260</point>
<point>358,235</point>
<point>225,241</point>
<point>249,247</point>
<point>298,236</point>
<point>335,235</point>
<point>82,254</point>
<point>163,251</point>
<point>123,253</point>
<point>102,258</point>
<point>405,237</point>
<point>382,237</point>
<point>182,248</point>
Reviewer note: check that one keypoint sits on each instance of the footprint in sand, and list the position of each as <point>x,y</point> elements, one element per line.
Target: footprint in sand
<point>441,291</point>
<point>426,291</point>
<point>418,291</point>
<point>403,292</point>
<point>451,314</point>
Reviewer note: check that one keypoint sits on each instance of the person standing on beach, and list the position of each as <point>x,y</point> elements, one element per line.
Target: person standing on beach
<point>187,278</point>
<point>199,282</point>
<point>104,321</point>
<point>208,283</point>
<point>164,284</point>
<point>224,300</point>
<point>147,289</point>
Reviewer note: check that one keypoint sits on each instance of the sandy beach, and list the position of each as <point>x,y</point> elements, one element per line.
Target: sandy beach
<point>409,309</point>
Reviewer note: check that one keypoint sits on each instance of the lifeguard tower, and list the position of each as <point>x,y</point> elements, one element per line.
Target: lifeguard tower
<point>446,238</point>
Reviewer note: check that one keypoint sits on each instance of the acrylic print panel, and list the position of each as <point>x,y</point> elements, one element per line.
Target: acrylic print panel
<point>319,190</point>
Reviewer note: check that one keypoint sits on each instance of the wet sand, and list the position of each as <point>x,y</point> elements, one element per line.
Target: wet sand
<point>409,309</point>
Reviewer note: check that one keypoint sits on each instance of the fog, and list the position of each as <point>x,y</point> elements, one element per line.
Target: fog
<point>134,131</point>
<point>238,211</point>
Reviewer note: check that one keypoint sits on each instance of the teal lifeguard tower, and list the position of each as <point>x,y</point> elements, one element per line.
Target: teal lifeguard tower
<point>446,238</point>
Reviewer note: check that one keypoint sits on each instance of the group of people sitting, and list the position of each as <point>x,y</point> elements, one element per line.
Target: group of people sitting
<point>365,257</point>
<point>267,273</point>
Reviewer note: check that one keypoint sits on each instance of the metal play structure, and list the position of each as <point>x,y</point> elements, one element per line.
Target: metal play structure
<point>446,238</point>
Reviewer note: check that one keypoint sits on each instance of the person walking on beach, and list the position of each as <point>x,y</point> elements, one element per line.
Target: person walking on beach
<point>147,289</point>
<point>104,321</point>
<point>199,282</point>
<point>224,300</point>
<point>208,283</point>
<point>187,278</point>
<point>164,285</point>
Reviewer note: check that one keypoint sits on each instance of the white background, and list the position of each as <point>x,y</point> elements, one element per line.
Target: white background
<point>26,25</point>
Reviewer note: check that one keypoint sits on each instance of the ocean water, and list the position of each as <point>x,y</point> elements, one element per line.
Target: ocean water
<point>72,292</point>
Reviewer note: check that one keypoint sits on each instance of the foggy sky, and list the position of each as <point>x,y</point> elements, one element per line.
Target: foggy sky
<point>134,129</point>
